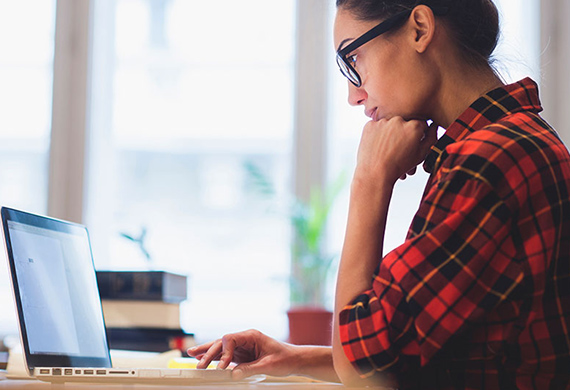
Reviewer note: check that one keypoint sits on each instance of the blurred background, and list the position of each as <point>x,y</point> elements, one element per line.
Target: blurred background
<point>141,118</point>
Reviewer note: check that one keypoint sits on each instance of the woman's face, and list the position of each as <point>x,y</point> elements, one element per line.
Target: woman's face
<point>396,80</point>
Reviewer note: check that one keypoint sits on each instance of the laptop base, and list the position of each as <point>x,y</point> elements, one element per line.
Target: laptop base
<point>150,376</point>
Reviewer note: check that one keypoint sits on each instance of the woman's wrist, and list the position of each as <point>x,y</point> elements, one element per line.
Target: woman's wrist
<point>315,362</point>
<point>369,191</point>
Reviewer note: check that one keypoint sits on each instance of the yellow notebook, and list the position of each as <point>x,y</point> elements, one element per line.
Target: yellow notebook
<point>188,362</point>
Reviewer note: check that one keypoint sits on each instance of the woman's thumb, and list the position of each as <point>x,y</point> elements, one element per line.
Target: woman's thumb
<point>244,370</point>
<point>430,138</point>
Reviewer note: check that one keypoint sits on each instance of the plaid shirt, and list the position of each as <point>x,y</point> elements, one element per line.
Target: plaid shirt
<point>478,296</point>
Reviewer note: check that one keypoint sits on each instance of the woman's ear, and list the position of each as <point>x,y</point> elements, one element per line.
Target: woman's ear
<point>423,26</point>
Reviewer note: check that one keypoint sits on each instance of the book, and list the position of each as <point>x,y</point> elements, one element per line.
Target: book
<point>142,285</point>
<point>141,314</point>
<point>149,339</point>
<point>3,360</point>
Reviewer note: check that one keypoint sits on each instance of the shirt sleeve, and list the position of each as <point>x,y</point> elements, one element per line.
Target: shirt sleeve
<point>455,266</point>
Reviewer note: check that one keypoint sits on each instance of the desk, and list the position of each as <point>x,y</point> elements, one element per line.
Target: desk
<point>38,385</point>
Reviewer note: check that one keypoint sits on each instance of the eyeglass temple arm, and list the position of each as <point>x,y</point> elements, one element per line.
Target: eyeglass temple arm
<point>383,27</point>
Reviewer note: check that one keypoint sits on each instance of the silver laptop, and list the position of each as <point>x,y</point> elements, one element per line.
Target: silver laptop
<point>59,308</point>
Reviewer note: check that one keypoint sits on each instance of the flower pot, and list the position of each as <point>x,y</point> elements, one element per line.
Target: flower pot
<point>310,326</point>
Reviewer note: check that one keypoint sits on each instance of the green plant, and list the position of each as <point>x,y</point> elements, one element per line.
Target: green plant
<point>310,263</point>
<point>139,242</point>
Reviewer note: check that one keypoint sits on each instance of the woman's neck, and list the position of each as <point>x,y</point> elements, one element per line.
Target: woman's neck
<point>459,89</point>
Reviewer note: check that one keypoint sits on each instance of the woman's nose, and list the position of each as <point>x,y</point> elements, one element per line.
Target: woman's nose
<point>356,96</point>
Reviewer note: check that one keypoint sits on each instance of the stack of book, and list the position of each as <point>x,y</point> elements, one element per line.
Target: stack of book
<point>142,310</point>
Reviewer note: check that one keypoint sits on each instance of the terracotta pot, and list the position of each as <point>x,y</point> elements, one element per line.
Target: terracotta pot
<point>310,326</point>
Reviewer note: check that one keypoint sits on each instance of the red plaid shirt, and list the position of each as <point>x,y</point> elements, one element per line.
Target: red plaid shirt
<point>478,296</point>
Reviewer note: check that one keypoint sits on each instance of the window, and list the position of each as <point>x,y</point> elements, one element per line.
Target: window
<point>198,90</point>
<point>26,64</point>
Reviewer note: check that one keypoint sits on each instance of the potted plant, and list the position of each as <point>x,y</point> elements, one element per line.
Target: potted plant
<point>309,318</point>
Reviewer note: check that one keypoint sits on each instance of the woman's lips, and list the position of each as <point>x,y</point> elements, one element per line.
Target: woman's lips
<point>372,113</point>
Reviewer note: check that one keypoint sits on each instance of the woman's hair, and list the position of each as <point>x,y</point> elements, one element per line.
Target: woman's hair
<point>474,24</point>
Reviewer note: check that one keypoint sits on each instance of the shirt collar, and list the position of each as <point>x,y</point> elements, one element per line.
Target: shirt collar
<point>489,108</point>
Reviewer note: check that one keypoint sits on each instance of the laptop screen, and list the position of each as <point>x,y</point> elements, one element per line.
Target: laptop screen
<point>56,293</point>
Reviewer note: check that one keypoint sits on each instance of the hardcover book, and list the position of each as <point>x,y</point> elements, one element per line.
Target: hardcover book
<point>142,286</point>
<point>150,339</point>
<point>141,314</point>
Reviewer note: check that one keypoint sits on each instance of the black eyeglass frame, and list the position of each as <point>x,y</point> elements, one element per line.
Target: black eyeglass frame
<point>346,67</point>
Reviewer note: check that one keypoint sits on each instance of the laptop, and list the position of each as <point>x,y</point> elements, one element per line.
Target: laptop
<point>59,309</point>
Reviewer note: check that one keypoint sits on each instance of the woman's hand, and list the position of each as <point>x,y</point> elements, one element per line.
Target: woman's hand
<point>257,353</point>
<point>254,352</point>
<point>392,148</point>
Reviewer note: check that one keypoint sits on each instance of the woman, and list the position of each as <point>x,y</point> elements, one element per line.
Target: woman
<point>477,296</point>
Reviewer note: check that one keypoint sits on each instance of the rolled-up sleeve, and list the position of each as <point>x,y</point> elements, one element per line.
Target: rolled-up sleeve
<point>455,266</point>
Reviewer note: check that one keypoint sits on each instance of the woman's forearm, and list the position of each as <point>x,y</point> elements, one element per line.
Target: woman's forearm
<point>361,252</point>
<point>317,362</point>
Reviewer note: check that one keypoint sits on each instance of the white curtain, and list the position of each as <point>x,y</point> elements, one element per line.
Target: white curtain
<point>555,64</point>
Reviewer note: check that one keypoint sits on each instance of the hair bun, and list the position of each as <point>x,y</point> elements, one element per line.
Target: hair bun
<point>476,23</point>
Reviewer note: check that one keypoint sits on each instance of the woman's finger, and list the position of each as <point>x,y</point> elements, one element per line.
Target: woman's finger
<point>211,354</point>
<point>200,349</point>
<point>228,348</point>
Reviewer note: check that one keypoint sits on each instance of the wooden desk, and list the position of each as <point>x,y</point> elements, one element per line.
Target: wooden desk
<point>263,385</point>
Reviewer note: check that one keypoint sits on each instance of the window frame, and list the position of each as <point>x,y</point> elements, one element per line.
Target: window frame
<point>69,109</point>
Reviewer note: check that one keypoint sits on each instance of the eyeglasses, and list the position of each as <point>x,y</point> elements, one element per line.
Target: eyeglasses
<point>345,64</point>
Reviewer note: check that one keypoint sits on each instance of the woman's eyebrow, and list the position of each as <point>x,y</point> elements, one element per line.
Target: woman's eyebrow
<point>343,42</point>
